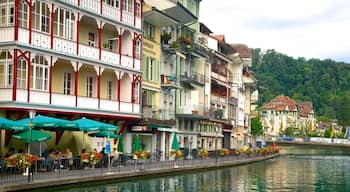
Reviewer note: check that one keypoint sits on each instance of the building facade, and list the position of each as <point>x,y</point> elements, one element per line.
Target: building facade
<point>71,59</point>
<point>283,112</point>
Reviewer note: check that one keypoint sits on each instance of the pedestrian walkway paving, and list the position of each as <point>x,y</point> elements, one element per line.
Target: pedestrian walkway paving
<point>13,182</point>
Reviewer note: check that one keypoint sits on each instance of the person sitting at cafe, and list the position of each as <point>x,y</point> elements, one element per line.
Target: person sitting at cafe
<point>114,156</point>
<point>10,152</point>
<point>69,155</point>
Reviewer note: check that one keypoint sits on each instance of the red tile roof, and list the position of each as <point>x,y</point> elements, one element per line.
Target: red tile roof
<point>219,37</point>
<point>280,103</point>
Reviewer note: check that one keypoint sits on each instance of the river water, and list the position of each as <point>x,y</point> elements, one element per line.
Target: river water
<point>305,170</point>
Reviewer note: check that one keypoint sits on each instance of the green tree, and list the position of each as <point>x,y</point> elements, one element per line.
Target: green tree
<point>323,82</point>
<point>257,128</point>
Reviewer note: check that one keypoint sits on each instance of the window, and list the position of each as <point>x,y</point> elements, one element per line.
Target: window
<point>64,23</point>
<point>21,73</point>
<point>39,73</point>
<point>113,3</point>
<point>127,5</point>
<point>136,92</point>
<point>138,9</point>
<point>23,14</point>
<point>147,98</point>
<point>148,31</point>
<point>109,91</point>
<point>90,86</point>
<point>150,69</point>
<point>91,39</point>
<point>7,12</point>
<point>41,16</point>
<point>138,49</point>
<point>6,69</point>
<point>68,83</point>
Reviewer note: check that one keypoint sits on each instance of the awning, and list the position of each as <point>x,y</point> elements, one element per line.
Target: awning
<point>158,126</point>
<point>181,14</point>
<point>158,18</point>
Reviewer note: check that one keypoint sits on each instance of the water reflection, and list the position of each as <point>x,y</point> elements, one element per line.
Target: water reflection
<point>303,172</point>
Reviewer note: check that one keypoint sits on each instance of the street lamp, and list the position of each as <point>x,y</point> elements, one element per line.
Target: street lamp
<point>31,117</point>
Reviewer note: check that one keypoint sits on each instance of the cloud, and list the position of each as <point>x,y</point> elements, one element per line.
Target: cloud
<point>311,29</point>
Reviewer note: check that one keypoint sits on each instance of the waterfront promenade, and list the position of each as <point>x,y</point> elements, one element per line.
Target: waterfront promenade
<point>133,168</point>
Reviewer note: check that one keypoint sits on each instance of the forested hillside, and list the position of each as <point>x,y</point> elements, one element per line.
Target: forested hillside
<point>324,82</point>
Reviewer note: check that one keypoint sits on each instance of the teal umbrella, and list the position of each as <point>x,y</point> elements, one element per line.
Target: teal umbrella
<point>175,144</point>
<point>120,144</point>
<point>12,125</point>
<point>37,136</point>
<point>50,123</point>
<point>107,134</point>
<point>136,144</point>
<point>86,124</point>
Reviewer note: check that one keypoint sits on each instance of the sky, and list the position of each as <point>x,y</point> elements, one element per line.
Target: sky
<point>298,28</point>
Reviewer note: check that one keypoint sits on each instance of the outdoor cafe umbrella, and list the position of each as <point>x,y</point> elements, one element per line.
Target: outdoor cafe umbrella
<point>120,145</point>
<point>7,124</point>
<point>107,134</point>
<point>137,145</point>
<point>11,125</point>
<point>86,124</point>
<point>50,123</point>
<point>175,144</point>
<point>37,136</point>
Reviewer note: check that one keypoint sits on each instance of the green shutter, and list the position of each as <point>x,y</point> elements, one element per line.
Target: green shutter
<point>144,67</point>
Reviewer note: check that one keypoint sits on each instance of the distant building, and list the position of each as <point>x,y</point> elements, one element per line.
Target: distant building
<point>283,112</point>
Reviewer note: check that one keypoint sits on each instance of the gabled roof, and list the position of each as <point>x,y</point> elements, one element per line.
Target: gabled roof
<point>281,103</point>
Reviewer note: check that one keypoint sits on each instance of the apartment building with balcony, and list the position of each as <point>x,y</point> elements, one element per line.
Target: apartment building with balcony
<point>71,58</point>
<point>250,85</point>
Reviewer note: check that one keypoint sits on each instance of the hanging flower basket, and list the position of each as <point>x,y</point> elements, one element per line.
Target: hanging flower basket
<point>142,154</point>
<point>178,154</point>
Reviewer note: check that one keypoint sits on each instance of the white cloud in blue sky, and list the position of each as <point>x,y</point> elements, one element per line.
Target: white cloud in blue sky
<point>305,28</point>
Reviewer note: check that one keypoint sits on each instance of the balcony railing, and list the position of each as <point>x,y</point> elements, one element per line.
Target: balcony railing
<point>110,12</point>
<point>62,100</point>
<point>193,77</point>
<point>168,81</point>
<point>69,48</point>
<point>218,99</point>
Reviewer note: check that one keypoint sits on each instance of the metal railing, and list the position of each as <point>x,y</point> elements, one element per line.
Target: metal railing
<point>46,169</point>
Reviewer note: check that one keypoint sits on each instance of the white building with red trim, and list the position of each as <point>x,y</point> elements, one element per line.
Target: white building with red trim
<point>71,58</point>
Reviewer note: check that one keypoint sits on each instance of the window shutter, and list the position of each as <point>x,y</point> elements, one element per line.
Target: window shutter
<point>144,68</point>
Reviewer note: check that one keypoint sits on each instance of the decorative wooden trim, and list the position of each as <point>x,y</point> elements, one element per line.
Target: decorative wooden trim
<point>76,83</point>
<point>28,78</point>
<point>30,21</point>
<point>99,87</point>
<point>16,20</point>
<point>50,79</point>
<point>14,86</point>
<point>51,23</point>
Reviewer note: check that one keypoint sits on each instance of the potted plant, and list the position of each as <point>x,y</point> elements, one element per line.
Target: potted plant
<point>175,45</point>
<point>218,113</point>
<point>166,37</point>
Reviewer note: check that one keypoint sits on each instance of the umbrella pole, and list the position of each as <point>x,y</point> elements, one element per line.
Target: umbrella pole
<point>40,148</point>
<point>83,139</point>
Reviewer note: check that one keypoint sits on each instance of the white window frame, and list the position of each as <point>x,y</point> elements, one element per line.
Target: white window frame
<point>7,13</point>
<point>40,73</point>
<point>138,9</point>
<point>41,17</point>
<point>138,49</point>
<point>136,92</point>
<point>68,84</point>
<point>23,15</point>
<point>22,74</point>
<point>109,90</point>
<point>128,5</point>
<point>90,85</point>
<point>92,43</point>
<point>7,65</point>
<point>64,23</point>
